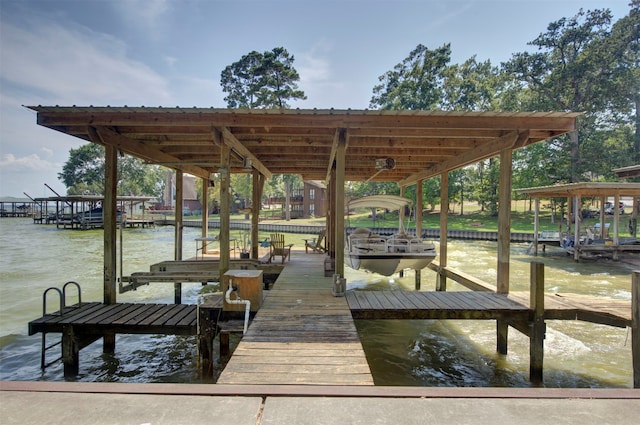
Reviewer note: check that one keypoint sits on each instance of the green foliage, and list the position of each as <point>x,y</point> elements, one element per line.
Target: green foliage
<point>471,86</point>
<point>416,82</point>
<point>83,174</point>
<point>262,80</point>
<point>579,66</point>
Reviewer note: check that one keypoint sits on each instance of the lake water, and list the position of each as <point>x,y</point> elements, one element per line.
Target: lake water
<point>421,353</point>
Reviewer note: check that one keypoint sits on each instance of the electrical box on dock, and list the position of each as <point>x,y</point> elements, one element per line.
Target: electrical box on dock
<point>249,283</point>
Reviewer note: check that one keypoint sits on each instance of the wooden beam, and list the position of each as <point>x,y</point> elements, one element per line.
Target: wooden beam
<point>332,155</point>
<point>140,150</point>
<point>241,150</point>
<point>474,155</point>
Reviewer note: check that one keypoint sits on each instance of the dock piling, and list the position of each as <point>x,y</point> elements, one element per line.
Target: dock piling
<point>635,327</point>
<point>538,326</point>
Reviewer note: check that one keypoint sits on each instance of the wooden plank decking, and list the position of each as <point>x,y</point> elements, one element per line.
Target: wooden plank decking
<point>485,305</point>
<point>95,317</point>
<point>302,334</point>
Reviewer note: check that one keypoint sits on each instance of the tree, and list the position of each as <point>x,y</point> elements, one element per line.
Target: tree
<point>83,174</point>
<point>416,82</point>
<point>262,80</point>
<point>625,42</point>
<point>570,72</point>
<point>471,86</point>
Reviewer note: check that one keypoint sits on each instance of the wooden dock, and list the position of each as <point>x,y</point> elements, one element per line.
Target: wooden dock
<point>302,334</point>
<point>476,305</point>
<point>82,324</point>
<point>99,318</point>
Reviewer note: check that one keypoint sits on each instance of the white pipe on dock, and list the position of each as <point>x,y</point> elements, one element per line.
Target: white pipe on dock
<point>238,300</point>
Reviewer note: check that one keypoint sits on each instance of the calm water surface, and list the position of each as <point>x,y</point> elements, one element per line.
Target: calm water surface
<point>422,353</point>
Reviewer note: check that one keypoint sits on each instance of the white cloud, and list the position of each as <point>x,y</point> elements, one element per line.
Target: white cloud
<point>33,162</point>
<point>48,152</point>
<point>73,65</point>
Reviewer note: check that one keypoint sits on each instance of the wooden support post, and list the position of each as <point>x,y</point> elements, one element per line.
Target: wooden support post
<point>109,343</point>
<point>207,331</point>
<point>205,213</point>
<point>339,201</point>
<point>536,224</point>
<point>633,225</point>
<point>256,197</point>
<point>418,208</point>
<point>109,208</point>
<point>110,256</point>
<point>538,326</point>
<point>576,227</point>
<point>225,207</point>
<point>504,240</point>
<point>616,226</point>
<point>177,286</point>
<point>502,336</point>
<point>70,353</point>
<point>504,221</point>
<point>224,344</point>
<point>635,327</point>
<point>441,279</point>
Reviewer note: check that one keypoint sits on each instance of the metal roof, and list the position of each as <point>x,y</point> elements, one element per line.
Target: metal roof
<point>583,189</point>
<point>92,198</point>
<point>421,144</point>
<point>628,172</point>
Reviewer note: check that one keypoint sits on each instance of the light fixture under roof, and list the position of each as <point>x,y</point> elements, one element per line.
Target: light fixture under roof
<point>385,164</point>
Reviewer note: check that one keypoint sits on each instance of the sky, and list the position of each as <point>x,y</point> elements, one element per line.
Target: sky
<point>172,52</point>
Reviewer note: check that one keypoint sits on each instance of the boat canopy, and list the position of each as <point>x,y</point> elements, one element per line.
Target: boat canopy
<point>390,202</point>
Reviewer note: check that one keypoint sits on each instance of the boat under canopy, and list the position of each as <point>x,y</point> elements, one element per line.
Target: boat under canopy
<point>367,250</point>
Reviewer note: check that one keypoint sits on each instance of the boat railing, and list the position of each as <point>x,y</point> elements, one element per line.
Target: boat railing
<point>408,244</point>
<point>367,243</point>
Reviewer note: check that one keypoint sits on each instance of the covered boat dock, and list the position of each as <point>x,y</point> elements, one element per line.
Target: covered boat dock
<point>605,238</point>
<point>406,147</point>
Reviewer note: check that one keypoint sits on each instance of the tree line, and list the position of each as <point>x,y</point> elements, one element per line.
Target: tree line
<point>586,63</point>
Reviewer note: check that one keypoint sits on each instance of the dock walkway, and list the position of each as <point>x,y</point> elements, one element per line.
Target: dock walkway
<point>302,334</point>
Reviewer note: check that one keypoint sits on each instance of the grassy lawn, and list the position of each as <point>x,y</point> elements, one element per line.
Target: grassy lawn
<point>473,219</point>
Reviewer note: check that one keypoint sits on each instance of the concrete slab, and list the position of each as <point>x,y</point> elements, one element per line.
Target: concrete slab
<point>72,403</point>
<point>369,411</point>
<point>20,408</point>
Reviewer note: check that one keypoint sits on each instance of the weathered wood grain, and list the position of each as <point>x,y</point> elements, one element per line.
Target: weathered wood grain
<point>301,335</point>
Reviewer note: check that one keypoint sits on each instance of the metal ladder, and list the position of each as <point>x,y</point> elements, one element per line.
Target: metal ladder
<point>63,302</point>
